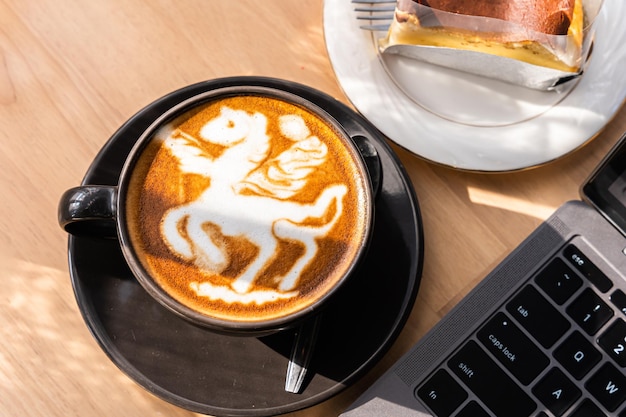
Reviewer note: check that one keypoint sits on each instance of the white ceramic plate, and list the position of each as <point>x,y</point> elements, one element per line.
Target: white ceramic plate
<point>469,122</point>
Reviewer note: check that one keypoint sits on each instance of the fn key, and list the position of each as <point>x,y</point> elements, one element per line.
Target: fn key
<point>442,394</point>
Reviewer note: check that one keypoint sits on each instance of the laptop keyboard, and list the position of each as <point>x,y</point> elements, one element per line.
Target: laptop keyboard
<point>558,344</point>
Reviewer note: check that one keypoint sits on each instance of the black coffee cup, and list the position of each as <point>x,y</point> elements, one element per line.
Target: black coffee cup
<point>243,209</point>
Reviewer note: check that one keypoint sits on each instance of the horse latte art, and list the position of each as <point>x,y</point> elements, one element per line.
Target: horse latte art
<point>247,208</point>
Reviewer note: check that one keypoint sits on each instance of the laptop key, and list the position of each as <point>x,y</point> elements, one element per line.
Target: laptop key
<point>608,386</point>
<point>588,409</point>
<point>587,268</point>
<point>618,298</point>
<point>559,281</point>
<point>577,355</point>
<point>538,316</point>
<point>442,393</point>
<point>589,311</point>
<point>613,341</point>
<point>472,410</point>
<point>556,392</point>
<point>490,383</point>
<point>513,348</point>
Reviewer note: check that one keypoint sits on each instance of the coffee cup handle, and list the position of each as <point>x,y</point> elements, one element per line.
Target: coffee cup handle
<point>89,210</point>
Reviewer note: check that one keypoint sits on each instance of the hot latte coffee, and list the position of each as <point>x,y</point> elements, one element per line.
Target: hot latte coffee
<point>247,208</point>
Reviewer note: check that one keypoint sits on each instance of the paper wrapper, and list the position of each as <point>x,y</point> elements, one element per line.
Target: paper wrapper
<point>491,47</point>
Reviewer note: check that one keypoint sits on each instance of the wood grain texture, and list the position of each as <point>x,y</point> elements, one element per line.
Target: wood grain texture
<point>72,72</point>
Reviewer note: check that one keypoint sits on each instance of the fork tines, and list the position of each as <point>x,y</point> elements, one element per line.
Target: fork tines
<point>375,9</point>
<point>380,11</point>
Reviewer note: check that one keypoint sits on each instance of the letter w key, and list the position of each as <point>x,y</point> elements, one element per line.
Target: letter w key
<point>608,386</point>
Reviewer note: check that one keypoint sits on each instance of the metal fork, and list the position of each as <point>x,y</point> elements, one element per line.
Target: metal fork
<point>378,12</point>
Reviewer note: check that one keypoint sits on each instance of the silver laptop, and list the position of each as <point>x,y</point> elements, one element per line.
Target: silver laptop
<point>543,335</point>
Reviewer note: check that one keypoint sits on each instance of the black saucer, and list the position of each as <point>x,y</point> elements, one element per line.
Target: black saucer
<point>224,375</point>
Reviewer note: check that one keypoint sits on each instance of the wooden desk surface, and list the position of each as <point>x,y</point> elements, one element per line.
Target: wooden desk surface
<point>72,72</point>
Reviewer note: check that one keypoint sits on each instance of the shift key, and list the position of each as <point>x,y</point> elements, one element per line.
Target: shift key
<point>490,383</point>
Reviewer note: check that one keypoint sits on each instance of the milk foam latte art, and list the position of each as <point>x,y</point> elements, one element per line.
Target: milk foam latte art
<point>247,208</point>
